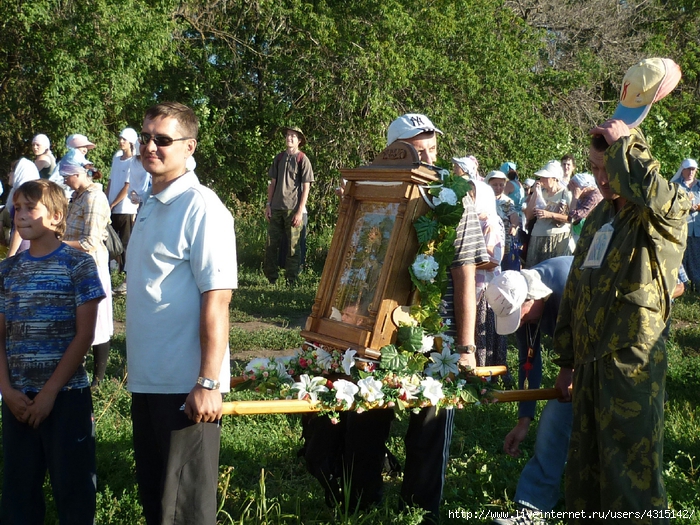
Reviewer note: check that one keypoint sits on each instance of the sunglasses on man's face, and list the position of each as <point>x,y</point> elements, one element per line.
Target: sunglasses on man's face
<point>162,141</point>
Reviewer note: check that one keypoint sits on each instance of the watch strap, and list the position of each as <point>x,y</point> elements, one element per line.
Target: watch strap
<point>465,349</point>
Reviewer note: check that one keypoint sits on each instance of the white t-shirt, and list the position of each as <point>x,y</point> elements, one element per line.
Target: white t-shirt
<point>182,245</point>
<point>120,175</point>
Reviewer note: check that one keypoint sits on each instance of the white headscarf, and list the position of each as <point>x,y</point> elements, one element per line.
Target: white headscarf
<point>687,163</point>
<point>25,170</point>
<point>584,180</point>
<point>43,141</point>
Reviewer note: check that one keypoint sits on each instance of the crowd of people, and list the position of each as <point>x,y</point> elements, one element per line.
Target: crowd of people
<point>523,224</point>
<point>591,260</point>
<point>55,303</point>
<point>606,308</point>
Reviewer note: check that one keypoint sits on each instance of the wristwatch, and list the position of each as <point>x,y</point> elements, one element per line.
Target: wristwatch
<point>207,383</point>
<point>465,349</point>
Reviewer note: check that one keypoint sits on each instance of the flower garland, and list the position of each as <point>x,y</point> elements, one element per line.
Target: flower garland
<point>420,370</point>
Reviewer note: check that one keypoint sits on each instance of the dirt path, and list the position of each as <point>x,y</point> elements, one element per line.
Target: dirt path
<point>251,326</point>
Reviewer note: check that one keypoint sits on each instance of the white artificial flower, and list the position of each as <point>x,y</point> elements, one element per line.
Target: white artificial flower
<point>348,361</point>
<point>345,391</point>
<point>258,364</point>
<point>427,344</point>
<point>409,387</point>
<point>425,267</point>
<point>370,389</point>
<point>311,386</point>
<point>432,390</point>
<point>443,363</point>
<point>448,196</point>
<point>280,364</point>
<point>323,358</point>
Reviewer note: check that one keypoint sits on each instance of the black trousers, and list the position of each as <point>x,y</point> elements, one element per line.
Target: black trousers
<point>354,450</point>
<point>177,461</point>
<point>122,222</point>
<point>64,444</point>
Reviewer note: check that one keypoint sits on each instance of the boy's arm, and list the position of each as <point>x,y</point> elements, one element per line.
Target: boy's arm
<point>85,318</point>
<point>298,217</point>
<point>16,401</point>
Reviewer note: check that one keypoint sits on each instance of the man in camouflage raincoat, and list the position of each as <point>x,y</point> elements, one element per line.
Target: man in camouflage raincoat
<point>609,332</point>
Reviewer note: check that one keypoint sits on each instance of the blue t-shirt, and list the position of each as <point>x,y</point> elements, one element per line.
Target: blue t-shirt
<point>39,298</point>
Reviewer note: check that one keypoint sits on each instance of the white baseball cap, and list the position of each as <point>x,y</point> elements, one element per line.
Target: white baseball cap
<point>130,135</point>
<point>408,126</point>
<point>507,293</point>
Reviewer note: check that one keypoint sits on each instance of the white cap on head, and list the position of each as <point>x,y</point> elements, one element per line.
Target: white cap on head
<point>552,170</point>
<point>408,126</point>
<point>130,135</point>
<point>496,174</point>
<point>507,293</point>
<point>689,163</point>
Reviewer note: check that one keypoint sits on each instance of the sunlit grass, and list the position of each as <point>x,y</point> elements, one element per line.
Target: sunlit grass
<point>263,481</point>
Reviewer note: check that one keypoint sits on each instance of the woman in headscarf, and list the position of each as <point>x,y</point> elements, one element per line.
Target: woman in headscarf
<point>44,160</point>
<point>551,233</point>
<point>510,215</point>
<point>685,177</point>
<point>21,171</point>
<point>86,230</point>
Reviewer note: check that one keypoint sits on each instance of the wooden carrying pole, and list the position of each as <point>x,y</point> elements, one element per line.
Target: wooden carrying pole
<point>300,406</point>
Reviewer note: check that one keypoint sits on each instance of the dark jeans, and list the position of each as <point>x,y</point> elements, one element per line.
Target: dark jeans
<point>64,444</point>
<point>122,222</point>
<point>177,461</point>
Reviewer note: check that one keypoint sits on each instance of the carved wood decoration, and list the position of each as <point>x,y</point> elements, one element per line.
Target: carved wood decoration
<point>366,273</point>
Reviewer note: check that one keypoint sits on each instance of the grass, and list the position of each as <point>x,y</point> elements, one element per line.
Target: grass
<point>262,481</point>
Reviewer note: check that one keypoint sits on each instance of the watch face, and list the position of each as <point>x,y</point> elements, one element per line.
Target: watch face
<point>208,383</point>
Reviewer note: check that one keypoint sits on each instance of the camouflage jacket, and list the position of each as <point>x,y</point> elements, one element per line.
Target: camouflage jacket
<point>626,302</point>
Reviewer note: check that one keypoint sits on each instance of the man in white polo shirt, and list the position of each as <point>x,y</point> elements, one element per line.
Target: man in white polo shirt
<point>182,268</point>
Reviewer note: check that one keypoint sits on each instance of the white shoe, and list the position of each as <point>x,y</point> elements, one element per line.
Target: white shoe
<point>120,290</point>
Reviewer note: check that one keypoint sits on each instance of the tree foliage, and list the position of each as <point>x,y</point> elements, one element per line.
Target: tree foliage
<point>519,80</point>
